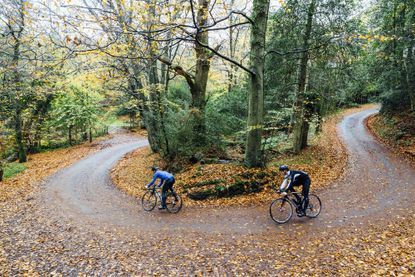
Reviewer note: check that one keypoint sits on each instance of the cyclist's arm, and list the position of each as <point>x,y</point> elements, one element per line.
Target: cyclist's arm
<point>285,184</point>
<point>154,179</point>
<point>161,182</point>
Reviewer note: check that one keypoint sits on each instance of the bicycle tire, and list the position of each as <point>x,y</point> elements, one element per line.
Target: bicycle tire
<point>278,208</point>
<point>314,206</point>
<point>149,201</point>
<point>173,203</point>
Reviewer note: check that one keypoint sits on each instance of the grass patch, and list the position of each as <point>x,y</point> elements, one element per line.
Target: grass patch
<point>12,169</point>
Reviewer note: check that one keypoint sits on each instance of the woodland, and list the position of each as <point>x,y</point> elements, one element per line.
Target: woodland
<point>207,79</point>
<point>93,93</point>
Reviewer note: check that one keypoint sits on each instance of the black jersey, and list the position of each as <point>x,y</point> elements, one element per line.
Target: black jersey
<point>294,178</point>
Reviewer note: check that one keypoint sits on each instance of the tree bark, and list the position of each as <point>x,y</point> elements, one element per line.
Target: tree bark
<point>410,69</point>
<point>232,47</point>
<point>253,153</point>
<point>19,136</point>
<point>301,124</point>
<point>198,89</point>
<point>70,135</point>
<point>21,151</point>
<point>152,114</point>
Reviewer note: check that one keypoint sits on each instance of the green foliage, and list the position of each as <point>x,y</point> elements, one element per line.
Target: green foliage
<point>394,101</point>
<point>179,93</point>
<point>226,112</point>
<point>204,183</point>
<point>75,110</point>
<point>12,169</point>
<point>394,66</point>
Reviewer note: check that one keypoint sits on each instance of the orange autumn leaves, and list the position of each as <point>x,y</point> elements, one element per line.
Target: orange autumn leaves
<point>325,160</point>
<point>386,131</point>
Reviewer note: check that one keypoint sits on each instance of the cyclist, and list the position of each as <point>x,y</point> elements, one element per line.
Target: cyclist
<point>166,178</point>
<point>294,178</point>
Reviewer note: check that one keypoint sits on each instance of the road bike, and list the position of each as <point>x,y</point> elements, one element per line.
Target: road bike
<point>282,209</point>
<point>149,200</point>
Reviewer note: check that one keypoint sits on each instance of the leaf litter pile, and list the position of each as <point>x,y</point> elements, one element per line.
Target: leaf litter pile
<point>397,133</point>
<point>32,243</point>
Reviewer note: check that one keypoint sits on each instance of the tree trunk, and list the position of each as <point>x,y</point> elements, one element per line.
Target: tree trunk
<point>21,152</point>
<point>166,148</point>
<point>18,109</point>
<point>1,170</point>
<point>410,69</point>
<point>70,135</point>
<point>253,153</point>
<point>198,89</point>
<point>231,50</point>
<point>153,118</point>
<point>301,124</point>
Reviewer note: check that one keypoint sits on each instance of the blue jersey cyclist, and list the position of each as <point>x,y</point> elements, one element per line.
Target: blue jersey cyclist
<point>166,180</point>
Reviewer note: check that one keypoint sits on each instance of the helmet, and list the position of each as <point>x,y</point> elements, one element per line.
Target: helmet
<point>284,167</point>
<point>154,168</point>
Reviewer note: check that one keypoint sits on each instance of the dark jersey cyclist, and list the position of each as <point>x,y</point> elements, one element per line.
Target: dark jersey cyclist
<point>166,180</point>
<point>294,178</point>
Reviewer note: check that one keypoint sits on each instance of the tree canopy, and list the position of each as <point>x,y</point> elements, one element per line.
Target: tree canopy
<point>202,77</point>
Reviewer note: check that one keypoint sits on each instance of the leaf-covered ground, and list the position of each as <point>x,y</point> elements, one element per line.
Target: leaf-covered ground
<point>36,242</point>
<point>325,160</point>
<point>33,244</point>
<point>42,165</point>
<point>396,132</point>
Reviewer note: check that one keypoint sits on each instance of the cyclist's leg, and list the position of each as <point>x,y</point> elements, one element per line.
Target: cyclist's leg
<point>291,188</point>
<point>172,190</point>
<point>305,191</point>
<point>166,187</point>
<point>164,194</point>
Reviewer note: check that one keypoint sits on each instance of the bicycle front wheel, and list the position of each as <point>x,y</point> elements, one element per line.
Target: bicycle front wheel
<point>173,202</point>
<point>281,210</point>
<point>314,206</point>
<point>149,200</point>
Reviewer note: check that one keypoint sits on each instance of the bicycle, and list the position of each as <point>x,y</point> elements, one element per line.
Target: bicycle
<point>149,200</point>
<point>282,209</point>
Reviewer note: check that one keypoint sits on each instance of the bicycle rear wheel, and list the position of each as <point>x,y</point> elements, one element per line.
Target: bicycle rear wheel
<point>149,201</point>
<point>173,202</point>
<point>281,210</point>
<point>314,206</point>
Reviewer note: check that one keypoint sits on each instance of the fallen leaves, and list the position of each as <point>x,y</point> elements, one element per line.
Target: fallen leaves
<point>384,131</point>
<point>325,161</point>
<point>41,165</point>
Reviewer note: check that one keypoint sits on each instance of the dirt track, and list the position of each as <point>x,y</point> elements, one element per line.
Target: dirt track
<point>80,216</point>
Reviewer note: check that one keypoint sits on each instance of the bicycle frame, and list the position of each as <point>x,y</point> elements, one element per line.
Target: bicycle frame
<point>157,192</point>
<point>291,197</point>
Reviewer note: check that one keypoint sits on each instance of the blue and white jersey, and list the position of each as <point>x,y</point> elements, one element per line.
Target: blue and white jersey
<point>162,175</point>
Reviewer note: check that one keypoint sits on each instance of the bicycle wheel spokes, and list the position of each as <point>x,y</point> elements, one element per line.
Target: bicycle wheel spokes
<point>281,210</point>
<point>149,201</point>
<point>314,206</point>
<point>173,203</point>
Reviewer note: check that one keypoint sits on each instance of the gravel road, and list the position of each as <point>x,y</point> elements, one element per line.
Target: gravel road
<point>78,222</point>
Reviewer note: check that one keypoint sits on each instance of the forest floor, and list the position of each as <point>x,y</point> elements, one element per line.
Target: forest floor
<point>324,160</point>
<point>396,132</point>
<point>78,223</point>
<point>41,165</point>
